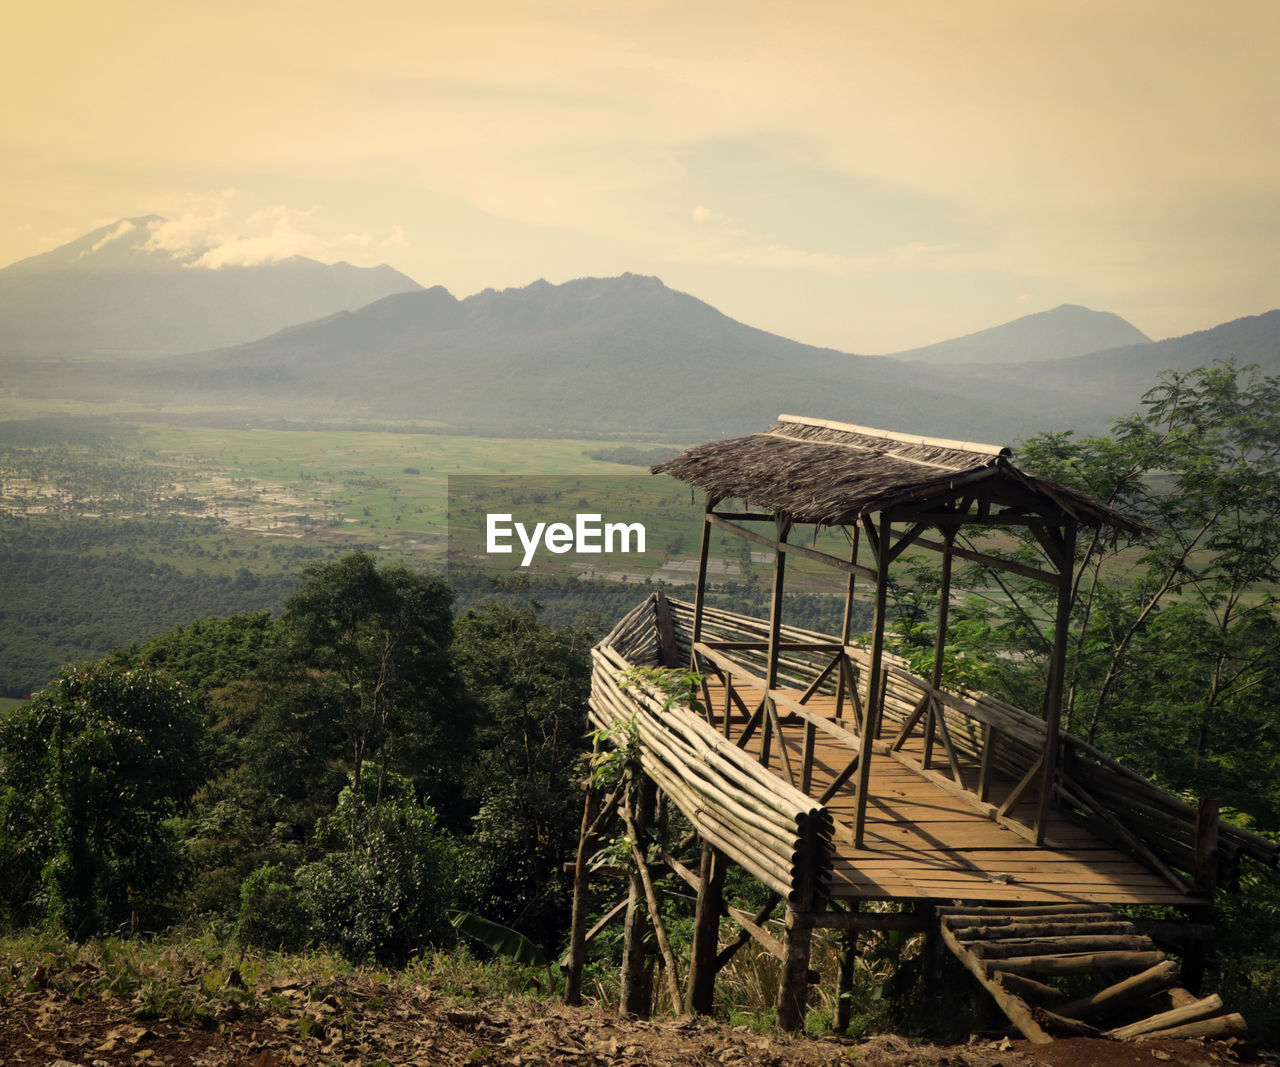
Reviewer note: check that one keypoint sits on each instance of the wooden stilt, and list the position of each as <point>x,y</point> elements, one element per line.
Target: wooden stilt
<point>706,933</point>
<point>844,983</point>
<point>636,995</point>
<point>581,900</point>
<point>806,900</point>
<point>793,989</point>
<point>1057,674</point>
<point>875,698</point>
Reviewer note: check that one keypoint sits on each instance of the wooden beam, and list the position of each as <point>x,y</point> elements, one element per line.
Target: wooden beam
<point>1057,675</point>
<point>800,550</point>
<point>874,707</point>
<point>994,562</point>
<point>1013,1006</point>
<point>759,934</point>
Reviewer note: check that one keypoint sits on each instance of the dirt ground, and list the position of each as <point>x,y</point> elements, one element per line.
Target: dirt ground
<point>361,1023</point>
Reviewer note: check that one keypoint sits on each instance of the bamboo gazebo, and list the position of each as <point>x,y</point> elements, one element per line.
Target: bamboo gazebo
<point>865,797</point>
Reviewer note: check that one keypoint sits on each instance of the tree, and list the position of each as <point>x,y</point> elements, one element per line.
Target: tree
<point>1176,638</point>
<point>90,769</point>
<point>370,648</point>
<point>531,683</point>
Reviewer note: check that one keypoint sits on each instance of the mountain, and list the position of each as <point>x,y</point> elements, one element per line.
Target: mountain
<point>601,356</point>
<point>1123,374</point>
<point>1067,330</point>
<point>116,292</point>
<point>606,357</point>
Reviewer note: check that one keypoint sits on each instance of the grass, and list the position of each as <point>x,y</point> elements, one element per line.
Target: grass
<point>204,978</point>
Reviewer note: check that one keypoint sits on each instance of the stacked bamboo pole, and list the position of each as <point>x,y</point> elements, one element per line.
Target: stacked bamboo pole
<point>733,802</point>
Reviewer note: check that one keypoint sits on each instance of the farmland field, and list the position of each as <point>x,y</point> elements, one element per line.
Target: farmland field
<point>113,529</point>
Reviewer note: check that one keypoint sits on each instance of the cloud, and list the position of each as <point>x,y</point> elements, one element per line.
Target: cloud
<point>125,227</point>
<point>217,233</point>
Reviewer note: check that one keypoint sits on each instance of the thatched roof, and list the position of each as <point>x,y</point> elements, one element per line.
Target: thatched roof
<point>830,473</point>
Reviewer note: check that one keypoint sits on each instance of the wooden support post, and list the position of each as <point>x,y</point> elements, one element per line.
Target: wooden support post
<point>637,993</point>
<point>875,696</point>
<point>771,672</point>
<point>940,642</point>
<point>846,628</point>
<point>1057,675</point>
<point>581,899</point>
<point>793,987</point>
<point>1208,826</point>
<point>706,933</point>
<point>699,592</point>
<point>1196,956</point>
<point>666,629</point>
<point>806,761</point>
<point>935,950</point>
<point>844,983</point>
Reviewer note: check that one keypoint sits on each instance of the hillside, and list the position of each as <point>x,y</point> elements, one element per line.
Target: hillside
<point>117,292</point>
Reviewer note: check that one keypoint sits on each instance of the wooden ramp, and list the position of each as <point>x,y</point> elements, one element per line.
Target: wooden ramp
<point>1031,959</point>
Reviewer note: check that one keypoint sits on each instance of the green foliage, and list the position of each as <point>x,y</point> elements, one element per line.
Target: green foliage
<point>273,912</point>
<point>384,892</point>
<point>530,684</point>
<point>90,770</point>
<point>500,939</point>
<point>372,647</point>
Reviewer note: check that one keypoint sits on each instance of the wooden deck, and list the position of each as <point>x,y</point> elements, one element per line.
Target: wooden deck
<point>925,841</point>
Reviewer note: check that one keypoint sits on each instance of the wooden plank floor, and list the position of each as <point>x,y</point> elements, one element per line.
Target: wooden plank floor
<point>924,843</point>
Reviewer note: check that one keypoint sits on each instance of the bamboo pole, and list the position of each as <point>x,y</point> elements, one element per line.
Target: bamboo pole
<point>1057,675</point>
<point>655,912</point>
<point>875,700</point>
<point>581,900</point>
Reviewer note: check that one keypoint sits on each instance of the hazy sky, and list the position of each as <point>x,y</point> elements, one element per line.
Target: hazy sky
<point>865,175</point>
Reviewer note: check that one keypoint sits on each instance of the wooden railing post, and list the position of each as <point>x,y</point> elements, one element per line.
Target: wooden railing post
<point>793,987</point>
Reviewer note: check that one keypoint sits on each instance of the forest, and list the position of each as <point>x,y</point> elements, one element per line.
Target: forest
<point>391,756</point>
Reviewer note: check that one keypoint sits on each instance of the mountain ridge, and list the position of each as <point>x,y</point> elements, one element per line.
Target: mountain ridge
<point>619,356</point>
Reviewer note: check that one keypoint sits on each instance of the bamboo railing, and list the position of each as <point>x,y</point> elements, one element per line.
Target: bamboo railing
<point>1114,801</point>
<point>971,741</point>
<point>779,834</point>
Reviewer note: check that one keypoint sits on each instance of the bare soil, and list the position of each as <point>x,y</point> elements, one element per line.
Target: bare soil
<point>359,1021</point>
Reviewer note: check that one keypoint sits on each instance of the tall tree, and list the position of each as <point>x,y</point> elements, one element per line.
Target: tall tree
<point>1176,636</point>
<point>90,769</point>
<point>374,647</point>
<point>530,682</point>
